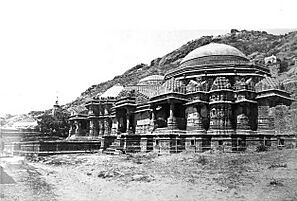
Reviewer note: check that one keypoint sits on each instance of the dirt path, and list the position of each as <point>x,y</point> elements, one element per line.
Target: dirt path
<point>23,182</point>
<point>5,178</point>
<point>246,176</point>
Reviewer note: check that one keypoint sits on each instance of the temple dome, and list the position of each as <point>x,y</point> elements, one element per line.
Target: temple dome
<point>152,79</point>
<point>213,49</point>
<point>214,59</point>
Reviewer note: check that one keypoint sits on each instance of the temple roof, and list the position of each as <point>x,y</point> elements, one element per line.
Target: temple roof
<point>269,83</point>
<point>213,49</point>
<point>113,91</point>
<point>78,110</point>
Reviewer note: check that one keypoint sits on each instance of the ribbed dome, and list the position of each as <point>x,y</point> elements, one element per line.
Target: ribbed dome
<point>213,49</point>
<point>151,78</point>
<point>214,59</point>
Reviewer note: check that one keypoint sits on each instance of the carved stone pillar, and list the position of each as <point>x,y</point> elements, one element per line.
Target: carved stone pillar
<point>153,117</point>
<point>105,112</point>
<point>96,127</point>
<point>77,127</point>
<point>118,120</point>
<point>171,121</point>
<point>171,111</point>
<point>213,118</point>
<point>228,116</point>
<point>101,127</point>
<point>153,125</point>
<point>128,122</point>
<point>102,110</point>
<point>242,122</point>
<point>194,120</point>
<point>71,130</point>
<point>91,129</point>
<point>106,127</point>
<point>91,110</point>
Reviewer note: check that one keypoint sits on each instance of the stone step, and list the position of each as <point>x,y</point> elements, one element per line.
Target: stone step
<point>114,148</point>
<point>168,131</point>
<point>114,145</point>
<point>110,151</point>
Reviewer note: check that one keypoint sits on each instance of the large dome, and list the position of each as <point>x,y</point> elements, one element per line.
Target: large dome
<point>213,49</point>
<point>215,59</point>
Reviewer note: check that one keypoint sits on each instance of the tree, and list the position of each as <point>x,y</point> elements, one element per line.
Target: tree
<point>54,125</point>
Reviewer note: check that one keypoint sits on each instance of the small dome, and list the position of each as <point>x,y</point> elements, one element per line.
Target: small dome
<point>151,78</point>
<point>112,91</point>
<point>213,49</point>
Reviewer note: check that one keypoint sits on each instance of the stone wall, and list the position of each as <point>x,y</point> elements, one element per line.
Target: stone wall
<point>142,122</point>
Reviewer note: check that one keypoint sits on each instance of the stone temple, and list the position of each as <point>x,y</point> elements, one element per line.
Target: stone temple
<point>215,99</point>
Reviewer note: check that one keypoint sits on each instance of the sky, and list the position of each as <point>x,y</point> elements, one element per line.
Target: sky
<point>62,47</point>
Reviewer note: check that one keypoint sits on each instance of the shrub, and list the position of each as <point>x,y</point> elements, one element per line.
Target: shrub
<point>275,182</point>
<point>202,160</point>
<point>261,148</point>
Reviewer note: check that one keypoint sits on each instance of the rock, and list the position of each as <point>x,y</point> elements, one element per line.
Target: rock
<point>119,173</point>
<point>139,177</point>
<point>233,192</point>
<point>101,174</point>
<point>51,172</point>
<point>108,174</point>
<point>278,165</point>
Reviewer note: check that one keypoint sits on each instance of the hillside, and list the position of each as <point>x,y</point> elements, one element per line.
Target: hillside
<point>255,44</point>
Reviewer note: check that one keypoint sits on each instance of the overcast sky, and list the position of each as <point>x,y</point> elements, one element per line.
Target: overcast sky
<point>60,47</point>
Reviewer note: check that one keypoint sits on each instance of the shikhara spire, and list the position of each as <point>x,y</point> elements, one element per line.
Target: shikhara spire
<point>56,107</point>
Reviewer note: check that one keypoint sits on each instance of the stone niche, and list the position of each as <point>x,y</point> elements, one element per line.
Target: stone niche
<point>194,119</point>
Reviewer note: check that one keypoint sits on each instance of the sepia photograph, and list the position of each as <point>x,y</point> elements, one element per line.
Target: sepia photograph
<point>148,100</point>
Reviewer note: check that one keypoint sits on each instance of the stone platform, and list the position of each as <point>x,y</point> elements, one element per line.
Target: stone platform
<point>56,147</point>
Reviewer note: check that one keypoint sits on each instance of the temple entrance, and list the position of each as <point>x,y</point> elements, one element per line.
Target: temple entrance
<point>206,144</point>
<point>125,121</point>
<point>179,115</point>
<point>162,114</point>
<point>169,115</point>
<point>131,125</point>
<point>122,120</point>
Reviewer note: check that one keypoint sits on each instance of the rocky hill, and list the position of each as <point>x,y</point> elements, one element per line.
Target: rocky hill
<point>255,44</point>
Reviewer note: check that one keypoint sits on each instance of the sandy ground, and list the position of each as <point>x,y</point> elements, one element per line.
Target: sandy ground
<point>208,176</point>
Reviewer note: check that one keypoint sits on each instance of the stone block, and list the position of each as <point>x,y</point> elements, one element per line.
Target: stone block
<point>290,143</point>
<point>190,144</point>
<point>162,145</point>
<point>143,144</point>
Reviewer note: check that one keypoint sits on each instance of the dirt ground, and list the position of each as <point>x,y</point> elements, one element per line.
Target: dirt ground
<point>207,176</point>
